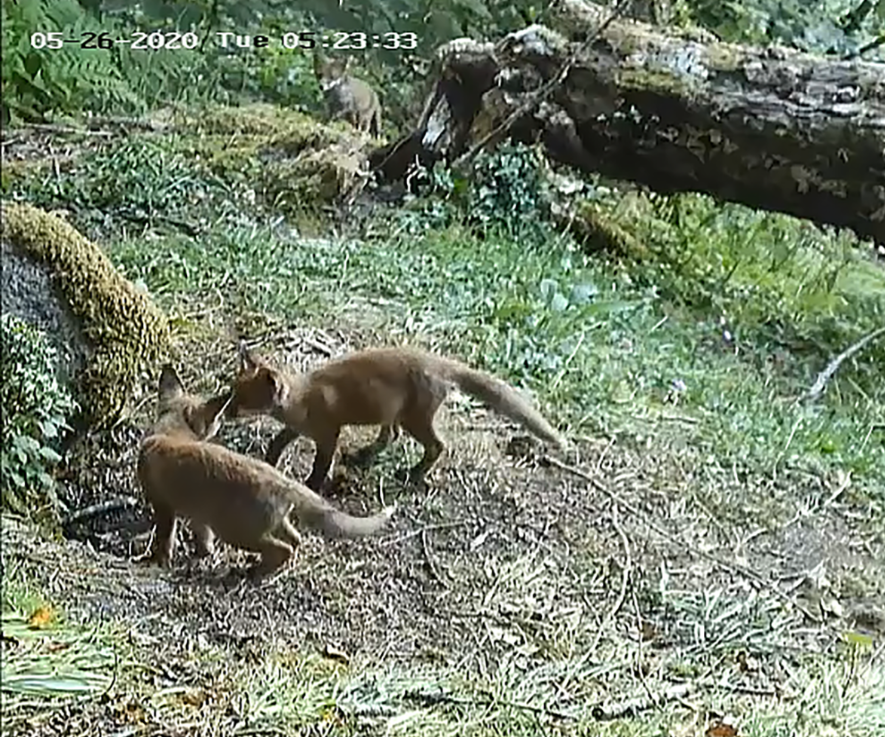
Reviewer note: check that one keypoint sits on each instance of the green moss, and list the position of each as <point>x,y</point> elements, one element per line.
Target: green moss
<point>126,331</point>
<point>266,125</point>
<point>296,164</point>
<point>600,228</point>
<point>314,178</point>
<point>722,57</point>
<point>657,80</point>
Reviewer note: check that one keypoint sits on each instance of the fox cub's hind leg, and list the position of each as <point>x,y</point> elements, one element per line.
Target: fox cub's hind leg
<point>418,422</point>
<point>204,539</point>
<point>322,461</point>
<point>274,555</point>
<point>364,457</point>
<point>164,536</point>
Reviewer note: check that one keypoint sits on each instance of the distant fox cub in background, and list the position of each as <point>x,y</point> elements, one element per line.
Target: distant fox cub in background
<point>348,97</point>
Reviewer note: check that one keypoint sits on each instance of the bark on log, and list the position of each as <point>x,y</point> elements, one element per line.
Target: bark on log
<point>771,128</point>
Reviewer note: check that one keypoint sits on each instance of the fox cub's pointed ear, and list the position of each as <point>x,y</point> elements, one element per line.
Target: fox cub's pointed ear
<point>247,360</point>
<point>170,386</point>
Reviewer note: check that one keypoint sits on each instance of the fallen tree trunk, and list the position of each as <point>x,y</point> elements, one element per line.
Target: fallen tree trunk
<point>772,128</point>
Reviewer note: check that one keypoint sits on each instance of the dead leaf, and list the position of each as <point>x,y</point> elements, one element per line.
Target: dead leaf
<point>130,711</point>
<point>41,618</point>
<point>721,729</point>
<point>647,631</point>
<point>682,730</point>
<point>331,715</point>
<point>479,540</point>
<point>195,696</point>
<point>831,605</point>
<point>747,663</point>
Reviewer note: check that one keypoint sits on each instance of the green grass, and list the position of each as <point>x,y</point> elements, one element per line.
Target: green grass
<point>288,691</point>
<point>47,661</point>
<point>606,351</point>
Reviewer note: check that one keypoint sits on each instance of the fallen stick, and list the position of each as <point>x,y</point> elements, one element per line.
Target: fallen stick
<point>631,707</point>
<point>431,564</point>
<point>433,699</point>
<point>824,376</point>
<point>125,502</point>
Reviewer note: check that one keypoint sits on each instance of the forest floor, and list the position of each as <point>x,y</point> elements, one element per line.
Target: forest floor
<point>654,582</point>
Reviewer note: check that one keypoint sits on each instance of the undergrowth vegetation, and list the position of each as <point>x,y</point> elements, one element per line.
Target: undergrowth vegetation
<point>46,659</point>
<point>40,80</point>
<point>35,406</point>
<point>715,335</point>
<point>50,664</point>
<point>148,181</point>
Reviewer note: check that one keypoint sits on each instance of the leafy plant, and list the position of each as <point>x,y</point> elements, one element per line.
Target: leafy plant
<point>505,191</point>
<point>842,27</point>
<point>38,78</point>
<point>35,406</point>
<point>139,179</point>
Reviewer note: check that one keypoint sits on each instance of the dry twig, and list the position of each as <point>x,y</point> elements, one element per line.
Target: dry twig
<point>431,563</point>
<point>625,579</point>
<point>94,510</point>
<point>630,707</point>
<point>824,376</point>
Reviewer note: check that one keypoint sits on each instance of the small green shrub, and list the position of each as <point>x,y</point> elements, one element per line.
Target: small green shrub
<point>35,406</point>
<point>504,195</point>
<point>506,192</point>
<point>138,178</point>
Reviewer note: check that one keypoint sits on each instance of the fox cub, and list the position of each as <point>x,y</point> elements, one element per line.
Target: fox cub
<point>348,98</point>
<point>391,387</point>
<point>244,501</point>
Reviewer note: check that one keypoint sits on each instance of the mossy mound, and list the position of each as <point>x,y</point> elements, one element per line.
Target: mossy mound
<point>295,163</point>
<point>267,127</point>
<point>125,331</point>
<point>314,178</point>
<point>600,228</point>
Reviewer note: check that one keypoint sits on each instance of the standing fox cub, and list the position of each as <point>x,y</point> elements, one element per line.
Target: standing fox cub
<point>242,500</point>
<point>348,97</point>
<point>391,387</point>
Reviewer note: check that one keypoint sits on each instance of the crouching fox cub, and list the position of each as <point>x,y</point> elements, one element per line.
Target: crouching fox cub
<point>242,500</point>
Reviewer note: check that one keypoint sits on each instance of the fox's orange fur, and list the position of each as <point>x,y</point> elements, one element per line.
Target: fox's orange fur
<point>348,97</point>
<point>391,387</point>
<point>242,500</point>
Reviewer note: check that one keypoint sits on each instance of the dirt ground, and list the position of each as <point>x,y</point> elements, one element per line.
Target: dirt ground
<point>505,553</point>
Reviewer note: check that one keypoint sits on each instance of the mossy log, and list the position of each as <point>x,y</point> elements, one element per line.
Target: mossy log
<point>677,111</point>
<point>119,332</point>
